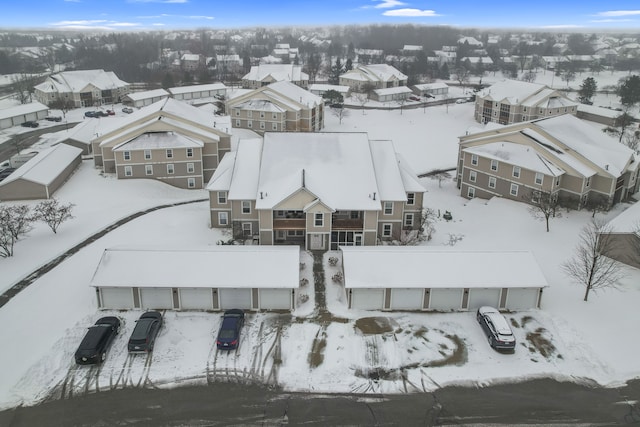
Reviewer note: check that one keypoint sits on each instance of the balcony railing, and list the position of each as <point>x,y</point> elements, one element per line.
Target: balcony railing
<point>347,224</point>
<point>290,224</point>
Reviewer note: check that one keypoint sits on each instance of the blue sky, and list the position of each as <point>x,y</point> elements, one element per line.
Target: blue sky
<point>131,15</point>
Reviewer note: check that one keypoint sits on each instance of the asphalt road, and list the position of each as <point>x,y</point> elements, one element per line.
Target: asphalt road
<point>27,139</point>
<point>538,402</point>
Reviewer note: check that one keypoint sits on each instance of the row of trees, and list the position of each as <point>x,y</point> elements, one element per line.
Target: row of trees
<point>17,220</point>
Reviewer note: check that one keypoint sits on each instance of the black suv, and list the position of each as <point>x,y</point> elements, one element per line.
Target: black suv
<point>30,124</point>
<point>94,345</point>
<point>229,334</point>
<point>496,328</point>
<point>144,334</point>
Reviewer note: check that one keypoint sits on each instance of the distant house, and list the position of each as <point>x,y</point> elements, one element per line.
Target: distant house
<point>605,116</point>
<point>14,116</point>
<point>624,236</point>
<point>144,98</point>
<point>228,63</point>
<point>424,89</point>
<point>320,191</point>
<point>560,156</point>
<point>471,41</point>
<point>82,88</point>
<point>399,93</point>
<point>278,107</point>
<point>264,74</point>
<point>513,101</point>
<point>169,141</point>
<point>191,61</point>
<point>41,176</point>
<point>378,76</point>
<point>485,279</point>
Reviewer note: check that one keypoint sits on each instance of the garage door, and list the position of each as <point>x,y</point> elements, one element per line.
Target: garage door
<point>445,299</point>
<point>406,299</point>
<point>522,299</point>
<point>156,298</point>
<point>480,297</point>
<point>118,298</point>
<point>367,299</point>
<point>196,299</point>
<point>275,299</point>
<point>235,298</point>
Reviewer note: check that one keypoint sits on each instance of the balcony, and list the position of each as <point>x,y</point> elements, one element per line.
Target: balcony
<point>290,224</point>
<point>347,224</point>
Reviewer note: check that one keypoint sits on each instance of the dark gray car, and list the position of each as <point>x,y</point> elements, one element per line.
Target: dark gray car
<point>145,332</point>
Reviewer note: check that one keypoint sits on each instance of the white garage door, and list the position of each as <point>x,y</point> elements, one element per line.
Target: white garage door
<point>445,299</point>
<point>196,299</point>
<point>406,299</point>
<point>522,299</point>
<point>480,297</point>
<point>118,298</point>
<point>156,298</point>
<point>367,299</point>
<point>235,298</point>
<point>275,299</point>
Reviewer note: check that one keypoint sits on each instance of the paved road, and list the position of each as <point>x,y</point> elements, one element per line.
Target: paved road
<point>539,402</point>
<point>27,139</point>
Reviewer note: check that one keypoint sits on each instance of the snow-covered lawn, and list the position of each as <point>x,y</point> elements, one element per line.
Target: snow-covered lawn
<point>345,351</point>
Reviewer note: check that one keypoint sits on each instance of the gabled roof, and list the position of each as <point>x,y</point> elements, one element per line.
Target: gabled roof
<point>19,110</point>
<point>628,221</point>
<point>528,94</point>
<point>221,179</point>
<point>158,140</point>
<point>517,155</point>
<point>45,166</point>
<point>197,88</point>
<point>245,176</point>
<point>375,73</point>
<point>392,90</point>
<point>75,81</point>
<point>278,72</point>
<point>147,94</point>
<point>388,174</point>
<point>283,94</point>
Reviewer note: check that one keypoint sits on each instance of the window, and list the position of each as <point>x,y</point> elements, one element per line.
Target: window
<point>169,153</point>
<point>250,114</point>
<point>494,165</point>
<point>514,190</point>
<point>262,114</point>
<point>191,182</point>
<point>492,182</point>
<point>128,171</point>
<point>516,171</point>
<point>471,192</point>
<point>189,152</point>
<point>170,169</point>
<point>387,229</point>
<point>274,126</point>
<point>222,197</point>
<point>388,208</point>
<point>148,169</point>
<point>190,168</point>
<point>126,155</point>
<point>262,125</point>
<point>539,178</point>
<point>274,116</point>
<point>472,176</point>
<point>246,207</point>
<point>237,110</point>
<point>238,123</point>
<point>246,229</point>
<point>147,154</point>
<point>557,181</point>
<point>408,220</point>
<point>223,218</point>
<point>318,220</point>
<point>249,124</point>
<point>474,159</point>
<point>588,181</point>
<point>411,198</point>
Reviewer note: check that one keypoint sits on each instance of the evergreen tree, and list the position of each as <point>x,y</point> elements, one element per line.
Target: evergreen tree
<point>167,81</point>
<point>629,91</point>
<point>587,90</point>
<point>335,72</point>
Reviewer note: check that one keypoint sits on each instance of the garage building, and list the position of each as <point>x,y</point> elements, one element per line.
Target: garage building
<point>436,279</point>
<point>19,114</point>
<point>209,278</point>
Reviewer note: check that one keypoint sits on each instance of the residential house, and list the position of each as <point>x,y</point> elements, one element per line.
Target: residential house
<point>264,74</point>
<point>320,191</point>
<point>170,141</point>
<point>82,88</point>
<point>513,101</point>
<point>278,107</point>
<point>191,61</point>
<point>377,76</point>
<point>228,64</point>
<point>561,157</point>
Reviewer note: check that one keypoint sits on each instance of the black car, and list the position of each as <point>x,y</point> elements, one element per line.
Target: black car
<point>229,334</point>
<point>90,114</point>
<point>94,345</point>
<point>30,124</point>
<point>53,118</point>
<point>496,328</point>
<point>144,334</point>
<point>6,172</point>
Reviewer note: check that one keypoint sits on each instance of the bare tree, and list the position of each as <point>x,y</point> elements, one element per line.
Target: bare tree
<point>590,266</point>
<point>53,213</point>
<point>23,86</point>
<point>361,99</point>
<point>422,229</point>
<point>15,222</point>
<point>543,204</point>
<point>340,113</point>
<point>440,176</point>
<point>401,102</point>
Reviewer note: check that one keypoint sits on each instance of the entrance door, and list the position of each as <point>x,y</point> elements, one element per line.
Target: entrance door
<point>317,242</point>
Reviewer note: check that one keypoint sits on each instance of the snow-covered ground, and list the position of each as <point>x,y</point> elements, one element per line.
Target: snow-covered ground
<point>346,351</point>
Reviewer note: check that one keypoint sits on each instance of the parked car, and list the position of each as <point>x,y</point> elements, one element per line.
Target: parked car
<point>90,114</point>
<point>127,110</point>
<point>461,101</point>
<point>229,333</point>
<point>111,113</point>
<point>414,98</point>
<point>101,114</point>
<point>145,332</point>
<point>30,124</point>
<point>53,118</point>
<point>96,342</point>
<point>496,328</point>
<point>6,172</point>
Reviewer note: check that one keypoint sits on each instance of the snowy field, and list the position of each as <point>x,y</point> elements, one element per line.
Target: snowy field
<point>347,351</point>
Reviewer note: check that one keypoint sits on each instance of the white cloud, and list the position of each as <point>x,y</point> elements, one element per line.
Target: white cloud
<point>125,24</point>
<point>387,4</point>
<point>410,12</point>
<point>87,22</point>
<point>619,13</point>
<point>613,20</point>
<point>200,17</point>
<point>560,26</point>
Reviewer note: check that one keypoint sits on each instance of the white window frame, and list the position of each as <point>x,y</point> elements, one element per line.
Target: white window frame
<point>387,229</point>
<point>222,197</point>
<point>494,165</point>
<point>249,124</point>
<point>514,190</point>
<point>126,155</point>
<point>247,229</point>
<point>471,192</point>
<point>147,154</point>
<point>473,176</point>
<point>262,125</point>
<point>274,116</point>
<point>262,114</point>
<point>238,123</point>
<point>274,126</point>
<point>191,183</point>
<point>411,199</point>
<point>387,208</point>
<point>189,152</point>
<point>128,171</point>
<point>318,219</point>
<point>588,183</point>
<point>237,111</point>
<point>408,219</point>
<point>170,169</point>
<point>492,182</point>
<point>474,159</point>
<point>246,207</point>
<point>223,218</point>
<point>516,172</point>
<point>148,169</point>
<point>539,179</point>
<point>250,114</point>
<point>191,168</point>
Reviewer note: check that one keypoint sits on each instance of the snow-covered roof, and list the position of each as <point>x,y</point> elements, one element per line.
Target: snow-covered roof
<point>221,179</point>
<point>517,155</point>
<point>279,72</point>
<point>599,111</point>
<point>325,87</point>
<point>284,93</point>
<point>431,86</point>
<point>208,267</point>
<point>470,40</point>
<point>514,91</point>
<point>197,88</point>
<point>76,81</point>
<point>388,175</point>
<point>392,90</point>
<point>430,267</point>
<point>19,110</point>
<point>628,221</point>
<point>380,72</point>
<point>158,140</point>
<point>547,98</point>
<point>294,92</point>
<point>84,131</point>
<point>147,94</point>
<point>190,57</point>
<point>259,105</point>
<point>244,180</point>
<point>45,166</point>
